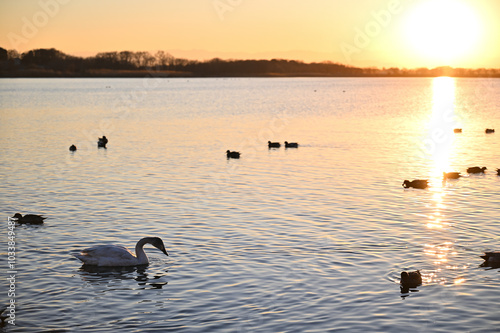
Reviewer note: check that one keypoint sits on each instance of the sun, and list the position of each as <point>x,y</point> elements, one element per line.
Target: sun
<point>443,31</point>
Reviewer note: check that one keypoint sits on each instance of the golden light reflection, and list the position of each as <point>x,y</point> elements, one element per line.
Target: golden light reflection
<point>441,124</point>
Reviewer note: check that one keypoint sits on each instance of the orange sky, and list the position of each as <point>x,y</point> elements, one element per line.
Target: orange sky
<point>382,33</point>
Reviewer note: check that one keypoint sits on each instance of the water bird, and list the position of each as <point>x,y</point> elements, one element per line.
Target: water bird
<point>29,218</point>
<point>417,183</point>
<point>451,175</point>
<point>72,148</point>
<point>115,255</point>
<point>102,142</point>
<point>457,130</point>
<point>476,169</point>
<point>291,144</point>
<point>489,130</point>
<point>411,279</point>
<point>273,144</point>
<point>498,172</point>
<point>233,154</point>
<point>491,257</point>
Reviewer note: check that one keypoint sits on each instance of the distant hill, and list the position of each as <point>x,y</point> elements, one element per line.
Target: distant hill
<point>54,63</point>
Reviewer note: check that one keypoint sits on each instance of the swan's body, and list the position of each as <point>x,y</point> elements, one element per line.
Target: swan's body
<point>115,255</point>
<point>417,183</point>
<point>29,218</point>
<point>451,175</point>
<point>476,169</point>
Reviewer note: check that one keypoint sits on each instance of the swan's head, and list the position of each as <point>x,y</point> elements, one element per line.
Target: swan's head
<point>158,243</point>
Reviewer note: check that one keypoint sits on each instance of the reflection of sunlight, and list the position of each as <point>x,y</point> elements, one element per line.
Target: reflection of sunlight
<point>439,253</point>
<point>439,143</point>
<point>441,124</point>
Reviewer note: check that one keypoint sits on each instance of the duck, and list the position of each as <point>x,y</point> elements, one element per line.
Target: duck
<point>491,257</point>
<point>233,154</point>
<point>451,175</point>
<point>411,279</point>
<point>476,169</point>
<point>417,183</point>
<point>498,172</point>
<point>72,148</point>
<point>489,130</point>
<point>115,255</point>
<point>273,144</point>
<point>457,130</point>
<point>28,218</point>
<point>291,144</point>
<point>102,142</point>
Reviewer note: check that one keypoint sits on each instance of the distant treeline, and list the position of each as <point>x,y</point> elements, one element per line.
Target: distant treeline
<point>54,63</point>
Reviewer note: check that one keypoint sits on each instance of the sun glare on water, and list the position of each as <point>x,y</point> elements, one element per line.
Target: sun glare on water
<point>444,31</point>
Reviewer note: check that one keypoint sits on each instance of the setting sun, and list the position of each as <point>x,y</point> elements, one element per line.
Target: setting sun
<point>444,30</point>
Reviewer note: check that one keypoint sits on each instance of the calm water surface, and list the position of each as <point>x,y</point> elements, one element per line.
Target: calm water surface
<point>286,240</point>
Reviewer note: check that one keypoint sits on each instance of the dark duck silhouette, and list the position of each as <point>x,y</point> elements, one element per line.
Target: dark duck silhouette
<point>417,183</point>
<point>72,148</point>
<point>233,154</point>
<point>476,169</point>
<point>29,218</point>
<point>451,175</point>
<point>273,144</point>
<point>102,142</point>
<point>491,257</point>
<point>489,130</point>
<point>457,130</point>
<point>410,280</point>
<point>498,172</point>
<point>291,144</point>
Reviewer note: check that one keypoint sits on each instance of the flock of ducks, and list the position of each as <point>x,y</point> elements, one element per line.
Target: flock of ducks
<point>423,183</point>
<point>119,256</point>
<point>237,154</point>
<point>101,143</point>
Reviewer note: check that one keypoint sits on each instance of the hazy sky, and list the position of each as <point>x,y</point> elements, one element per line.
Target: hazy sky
<point>402,33</point>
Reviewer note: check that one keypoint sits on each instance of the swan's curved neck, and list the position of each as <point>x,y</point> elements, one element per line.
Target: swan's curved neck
<point>142,258</point>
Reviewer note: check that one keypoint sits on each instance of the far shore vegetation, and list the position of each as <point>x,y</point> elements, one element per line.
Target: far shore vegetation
<point>54,63</point>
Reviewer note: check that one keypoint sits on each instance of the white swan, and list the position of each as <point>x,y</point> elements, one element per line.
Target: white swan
<point>115,255</point>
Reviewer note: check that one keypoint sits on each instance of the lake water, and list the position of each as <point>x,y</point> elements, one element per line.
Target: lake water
<point>281,240</point>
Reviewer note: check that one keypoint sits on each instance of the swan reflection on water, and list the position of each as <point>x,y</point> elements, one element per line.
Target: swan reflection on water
<point>97,275</point>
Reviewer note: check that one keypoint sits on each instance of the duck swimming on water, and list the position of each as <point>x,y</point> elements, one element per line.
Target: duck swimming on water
<point>492,257</point>
<point>417,183</point>
<point>102,142</point>
<point>115,255</point>
<point>29,218</point>
<point>291,144</point>
<point>233,154</point>
<point>476,169</point>
<point>273,144</point>
<point>451,175</point>
<point>411,279</point>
